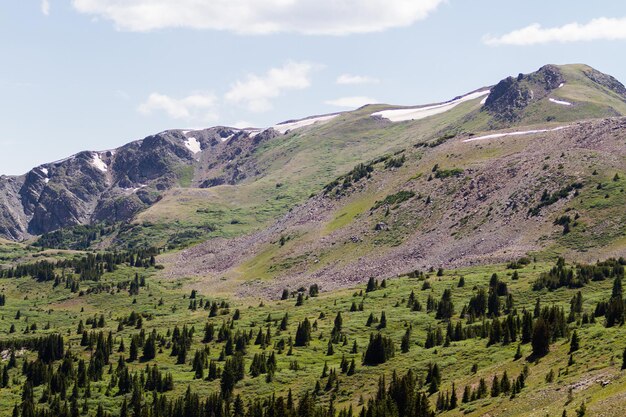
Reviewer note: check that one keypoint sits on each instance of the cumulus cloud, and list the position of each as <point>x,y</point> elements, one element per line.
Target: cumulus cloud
<point>356,79</point>
<point>311,17</point>
<point>255,92</point>
<point>45,7</point>
<point>352,102</point>
<point>199,107</point>
<point>603,28</point>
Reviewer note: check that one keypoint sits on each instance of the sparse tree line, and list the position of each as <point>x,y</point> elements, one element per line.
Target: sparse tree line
<point>90,267</point>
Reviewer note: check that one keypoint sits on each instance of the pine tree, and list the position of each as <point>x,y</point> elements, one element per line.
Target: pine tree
<point>383,321</point>
<point>495,386</point>
<point>574,343</point>
<point>300,300</point>
<point>372,285</point>
<point>379,350</point>
<point>330,351</point>
<point>134,350</point>
<point>466,395</point>
<point>149,348</point>
<point>540,338</point>
<point>453,398</point>
<point>352,368</point>
<point>445,308</point>
<point>303,333</point>
<point>518,353</point>
<point>405,346</point>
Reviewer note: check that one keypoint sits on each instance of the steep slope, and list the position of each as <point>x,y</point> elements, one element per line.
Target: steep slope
<point>472,200</point>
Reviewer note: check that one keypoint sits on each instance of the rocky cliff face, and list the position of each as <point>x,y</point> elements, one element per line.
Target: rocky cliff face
<point>511,95</point>
<point>114,185</point>
<point>606,81</point>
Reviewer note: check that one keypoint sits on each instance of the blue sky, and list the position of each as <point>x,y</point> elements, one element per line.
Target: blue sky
<point>95,74</point>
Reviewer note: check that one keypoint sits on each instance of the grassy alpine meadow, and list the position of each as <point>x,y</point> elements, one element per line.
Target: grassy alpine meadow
<point>136,344</point>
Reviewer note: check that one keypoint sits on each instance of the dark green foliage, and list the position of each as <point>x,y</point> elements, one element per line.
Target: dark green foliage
<point>395,162</point>
<point>394,199</point>
<point>562,276</point>
<point>447,173</point>
<point>574,343</point>
<point>79,237</point>
<point>300,299</point>
<point>232,373</point>
<point>433,378</point>
<point>372,285</point>
<point>149,347</point>
<point>548,199</point>
<point>541,338</point>
<point>379,350</point>
<point>303,333</point>
<point>445,308</point>
<point>518,264</point>
<point>405,345</point>
<point>358,172</point>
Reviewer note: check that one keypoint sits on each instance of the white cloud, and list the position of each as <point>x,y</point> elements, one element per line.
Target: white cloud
<point>356,79</point>
<point>603,28</point>
<point>352,102</point>
<point>311,17</point>
<point>255,92</point>
<point>199,107</point>
<point>45,7</point>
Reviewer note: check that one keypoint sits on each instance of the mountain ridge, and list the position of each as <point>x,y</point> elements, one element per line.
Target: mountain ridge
<point>116,185</point>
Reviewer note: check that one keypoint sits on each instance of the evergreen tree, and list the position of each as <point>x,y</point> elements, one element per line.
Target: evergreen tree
<point>540,338</point>
<point>574,344</point>
<point>379,350</point>
<point>383,321</point>
<point>405,346</point>
<point>134,350</point>
<point>149,348</point>
<point>303,333</point>
<point>445,308</point>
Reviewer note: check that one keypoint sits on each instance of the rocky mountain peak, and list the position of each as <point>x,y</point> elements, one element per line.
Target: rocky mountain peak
<point>511,95</point>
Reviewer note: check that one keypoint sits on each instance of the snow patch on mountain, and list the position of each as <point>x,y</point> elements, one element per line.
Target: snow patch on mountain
<point>561,102</point>
<point>98,162</point>
<point>193,145</point>
<point>286,126</point>
<point>401,115</point>
<point>520,133</point>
